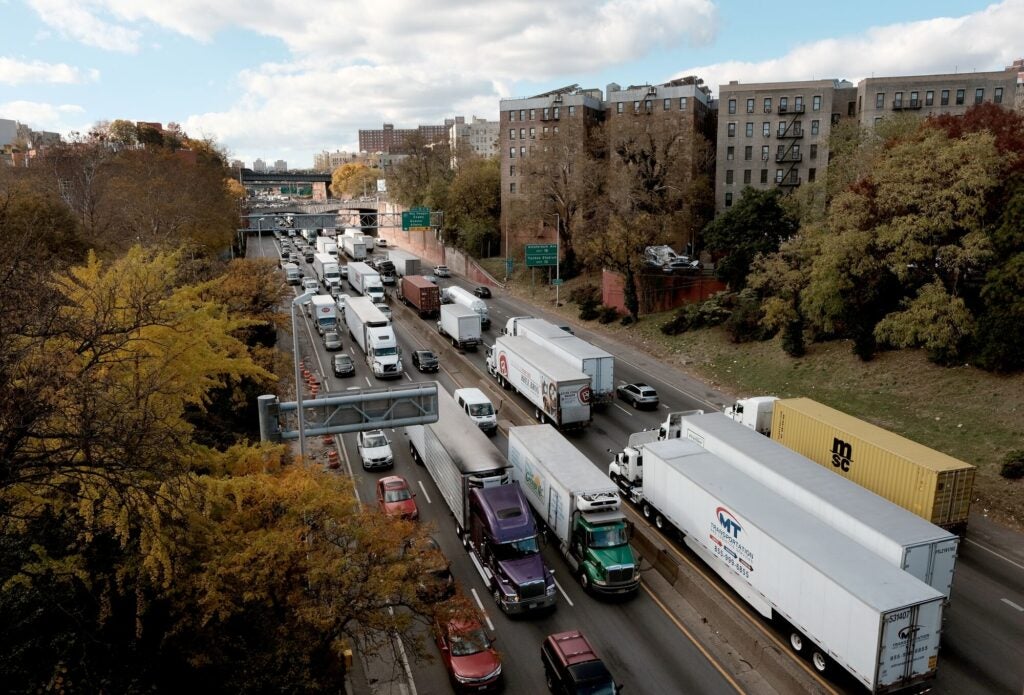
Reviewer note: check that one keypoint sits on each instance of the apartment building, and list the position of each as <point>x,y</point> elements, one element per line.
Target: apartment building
<point>776,133</point>
<point>280,165</point>
<point>392,140</point>
<point>259,166</point>
<point>479,136</point>
<point>685,100</point>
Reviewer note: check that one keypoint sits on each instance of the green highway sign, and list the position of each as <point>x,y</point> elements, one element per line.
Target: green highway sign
<point>541,255</point>
<point>416,217</point>
<point>556,281</point>
<point>509,264</point>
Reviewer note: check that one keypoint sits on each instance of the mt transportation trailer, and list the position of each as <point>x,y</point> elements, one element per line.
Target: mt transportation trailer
<point>839,601</point>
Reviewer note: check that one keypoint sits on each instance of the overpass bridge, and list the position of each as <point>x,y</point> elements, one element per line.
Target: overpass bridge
<point>317,182</point>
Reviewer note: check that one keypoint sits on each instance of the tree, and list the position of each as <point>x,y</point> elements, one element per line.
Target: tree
<point>474,205</point>
<point>756,224</point>
<point>354,179</point>
<point>423,176</point>
<point>122,134</point>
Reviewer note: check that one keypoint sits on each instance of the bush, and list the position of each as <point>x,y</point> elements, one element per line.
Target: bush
<point>709,313</point>
<point>607,314</point>
<point>744,323</point>
<point>1013,465</point>
<point>793,339</point>
<point>585,294</point>
<point>588,311</point>
<point>627,320</point>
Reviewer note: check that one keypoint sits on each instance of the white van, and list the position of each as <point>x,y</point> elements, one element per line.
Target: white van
<point>479,409</point>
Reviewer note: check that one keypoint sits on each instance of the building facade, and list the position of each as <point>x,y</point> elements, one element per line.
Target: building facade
<point>392,140</point>
<point>259,166</point>
<point>479,136</point>
<point>280,165</point>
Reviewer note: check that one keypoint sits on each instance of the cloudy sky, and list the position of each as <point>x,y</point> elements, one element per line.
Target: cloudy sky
<point>283,79</point>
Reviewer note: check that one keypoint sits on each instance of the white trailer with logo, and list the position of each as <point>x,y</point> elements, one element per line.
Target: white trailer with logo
<point>559,393</point>
<point>844,604</point>
<point>588,358</point>
<point>901,537</point>
<point>324,311</point>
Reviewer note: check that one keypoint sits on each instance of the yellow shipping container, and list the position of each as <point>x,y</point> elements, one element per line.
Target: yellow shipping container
<point>929,483</point>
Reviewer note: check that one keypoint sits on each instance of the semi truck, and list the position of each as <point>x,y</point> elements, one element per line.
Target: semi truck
<point>405,262</point>
<point>491,516</point>
<point>460,325</point>
<point>902,538</point>
<point>292,273</point>
<point>324,312</point>
<point>421,294</point>
<point>579,505</point>
<point>559,393</point>
<point>366,281</point>
<point>836,599</point>
<point>459,296</point>
<point>933,485</point>
<point>354,246</point>
<point>325,266</point>
<point>372,332</point>
<point>326,244</point>
<point>591,360</point>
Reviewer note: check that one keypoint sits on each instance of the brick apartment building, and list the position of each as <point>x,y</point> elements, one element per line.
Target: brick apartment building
<point>391,140</point>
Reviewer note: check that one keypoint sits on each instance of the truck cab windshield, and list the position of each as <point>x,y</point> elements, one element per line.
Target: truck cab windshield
<point>608,537</point>
<point>385,351</point>
<point>517,549</point>
<point>481,409</point>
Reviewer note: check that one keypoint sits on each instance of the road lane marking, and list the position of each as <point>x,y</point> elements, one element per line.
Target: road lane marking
<point>1010,603</point>
<point>424,491</point>
<point>368,384</point>
<point>564,595</point>
<point>989,550</point>
<point>404,659</point>
<point>623,409</point>
<point>482,610</point>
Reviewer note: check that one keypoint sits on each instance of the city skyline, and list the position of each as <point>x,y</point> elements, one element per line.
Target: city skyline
<point>277,83</point>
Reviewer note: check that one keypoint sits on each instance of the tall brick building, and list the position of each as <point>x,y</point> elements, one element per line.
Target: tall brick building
<point>391,140</point>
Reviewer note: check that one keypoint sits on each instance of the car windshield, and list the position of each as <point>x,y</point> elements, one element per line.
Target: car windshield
<point>481,410</point>
<point>343,360</point>
<point>399,495</point>
<point>385,351</point>
<point>467,642</point>
<point>608,537</point>
<point>592,678</point>
<point>330,335</point>
<point>516,549</point>
<point>372,441</point>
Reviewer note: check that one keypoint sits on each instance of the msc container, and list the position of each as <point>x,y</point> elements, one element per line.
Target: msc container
<point>933,485</point>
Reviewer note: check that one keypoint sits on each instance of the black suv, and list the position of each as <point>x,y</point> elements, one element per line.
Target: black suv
<point>571,666</point>
<point>424,360</point>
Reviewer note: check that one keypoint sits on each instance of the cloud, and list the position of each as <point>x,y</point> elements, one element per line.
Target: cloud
<point>42,116</point>
<point>78,20</point>
<point>985,40</point>
<point>16,72</point>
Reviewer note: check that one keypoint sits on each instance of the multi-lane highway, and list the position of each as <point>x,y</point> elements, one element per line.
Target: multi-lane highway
<point>645,648</point>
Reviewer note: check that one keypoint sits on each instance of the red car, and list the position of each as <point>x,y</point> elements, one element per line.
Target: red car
<point>395,498</point>
<point>468,654</point>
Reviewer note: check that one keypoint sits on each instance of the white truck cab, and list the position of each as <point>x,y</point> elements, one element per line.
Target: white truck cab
<point>479,409</point>
<point>755,413</point>
<point>383,353</point>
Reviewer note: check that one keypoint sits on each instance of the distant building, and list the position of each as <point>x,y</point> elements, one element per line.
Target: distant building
<point>259,166</point>
<point>8,131</point>
<point>479,136</point>
<point>237,164</point>
<point>327,162</point>
<point>280,165</point>
<point>391,140</point>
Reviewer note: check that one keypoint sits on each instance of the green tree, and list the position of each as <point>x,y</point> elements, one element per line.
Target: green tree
<point>354,179</point>
<point>474,205</point>
<point>423,176</point>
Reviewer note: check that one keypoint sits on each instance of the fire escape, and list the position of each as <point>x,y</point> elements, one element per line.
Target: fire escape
<point>787,154</point>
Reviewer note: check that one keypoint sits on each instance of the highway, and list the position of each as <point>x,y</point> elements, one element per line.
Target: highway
<point>984,627</point>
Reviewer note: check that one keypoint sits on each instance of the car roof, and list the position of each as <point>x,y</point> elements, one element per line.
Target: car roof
<point>572,647</point>
<point>392,482</point>
<point>424,352</point>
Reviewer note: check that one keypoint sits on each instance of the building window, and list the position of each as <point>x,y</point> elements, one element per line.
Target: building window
<point>750,130</point>
<point>783,104</point>
<point>636,107</point>
<point>728,177</point>
<point>555,112</point>
<point>682,103</point>
<point>511,136</point>
<point>511,153</point>
<point>511,116</point>
<point>533,114</point>
<point>778,176</point>
<point>618,107</point>
<point>730,153</point>
<point>666,104</point>
<point>814,127</point>
<point>746,176</point>
<point>732,130</point>
<point>764,176</point>
<point>767,104</point>
<point>944,98</point>
<point>511,187</point>
<point>522,114</point>
<point>728,199</point>
<point>732,106</point>
<point>533,134</point>
<point>929,98</point>
<point>811,173</point>
<point>878,119</point>
<point>544,113</point>
<point>914,99</point>
<point>780,153</point>
<point>960,94</point>
<point>522,151</point>
<point>647,105</point>
<point>782,127</point>
<point>748,153</point>
<point>997,97</point>
<point>880,100</point>
<point>897,100</point>
<point>814,152</point>
<point>764,153</point>
<point>555,129</point>
<point>798,103</point>
<point>522,133</point>
<point>511,171</point>
<point>766,129</point>
<point>546,129</point>
<point>572,110</point>
<point>750,106</point>
<point>979,95</point>
<point>816,103</point>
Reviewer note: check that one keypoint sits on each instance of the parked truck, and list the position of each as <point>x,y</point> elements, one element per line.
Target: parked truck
<point>354,246</point>
<point>837,600</point>
<point>366,281</point>
<point>326,244</point>
<point>460,325</point>
<point>591,360</point>
<point>579,505</point>
<point>325,266</point>
<point>324,312</point>
<point>372,332</point>
<point>405,262</point>
<point>421,294</point>
<point>491,516</point>
<point>902,538</point>
<point>933,485</point>
<point>559,393</point>
<point>459,296</point>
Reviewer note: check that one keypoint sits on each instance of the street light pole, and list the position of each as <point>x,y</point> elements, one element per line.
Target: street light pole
<point>303,298</point>
<point>558,254</point>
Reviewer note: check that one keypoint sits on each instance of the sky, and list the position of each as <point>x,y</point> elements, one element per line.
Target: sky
<point>285,79</point>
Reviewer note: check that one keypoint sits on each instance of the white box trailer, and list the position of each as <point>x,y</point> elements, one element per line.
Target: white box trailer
<point>460,325</point>
<point>559,393</point>
<point>325,313</point>
<point>354,246</point>
<point>588,358</point>
<point>470,301</point>
<point>880,624</point>
<point>326,244</point>
<point>375,337</point>
<point>366,281</point>
<point>405,262</point>
<point>899,536</point>
<point>326,268</point>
